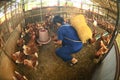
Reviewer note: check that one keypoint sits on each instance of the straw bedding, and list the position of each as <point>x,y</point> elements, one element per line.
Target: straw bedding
<point>80,25</point>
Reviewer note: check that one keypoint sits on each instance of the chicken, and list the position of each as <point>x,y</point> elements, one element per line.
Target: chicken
<point>20,42</point>
<point>110,28</point>
<point>27,30</point>
<point>106,39</point>
<point>33,36</point>
<point>93,36</point>
<point>30,48</point>
<point>32,62</point>
<point>18,76</point>
<point>93,40</point>
<point>99,52</point>
<point>94,33</point>
<point>26,50</point>
<point>22,34</point>
<point>94,23</point>
<point>102,44</point>
<point>103,49</point>
<point>33,47</point>
<point>18,57</point>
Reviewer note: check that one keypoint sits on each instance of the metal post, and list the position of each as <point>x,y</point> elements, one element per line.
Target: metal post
<point>41,10</point>
<point>23,6</point>
<point>58,5</point>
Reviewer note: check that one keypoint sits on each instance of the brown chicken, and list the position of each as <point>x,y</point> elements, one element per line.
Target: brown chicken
<point>92,40</point>
<point>32,62</point>
<point>20,42</point>
<point>94,33</point>
<point>110,28</point>
<point>33,36</point>
<point>30,48</point>
<point>106,39</point>
<point>103,49</point>
<point>99,52</point>
<point>102,44</point>
<point>26,50</point>
<point>18,76</point>
<point>93,36</point>
<point>18,57</point>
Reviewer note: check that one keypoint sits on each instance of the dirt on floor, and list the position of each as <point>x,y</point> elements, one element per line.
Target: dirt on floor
<point>52,67</point>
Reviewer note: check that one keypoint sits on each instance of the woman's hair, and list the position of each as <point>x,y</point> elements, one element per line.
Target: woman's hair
<point>58,19</point>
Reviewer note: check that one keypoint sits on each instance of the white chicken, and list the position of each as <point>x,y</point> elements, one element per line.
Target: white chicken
<point>94,23</point>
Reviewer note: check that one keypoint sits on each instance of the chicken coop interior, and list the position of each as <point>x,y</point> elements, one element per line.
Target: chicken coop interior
<point>27,50</point>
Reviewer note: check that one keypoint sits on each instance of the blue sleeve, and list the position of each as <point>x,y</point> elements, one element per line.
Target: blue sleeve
<point>60,34</point>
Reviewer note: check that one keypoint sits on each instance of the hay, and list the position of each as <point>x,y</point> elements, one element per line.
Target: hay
<point>80,25</point>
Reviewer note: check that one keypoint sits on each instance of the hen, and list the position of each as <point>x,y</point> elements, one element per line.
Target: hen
<point>18,57</point>
<point>32,62</point>
<point>18,76</point>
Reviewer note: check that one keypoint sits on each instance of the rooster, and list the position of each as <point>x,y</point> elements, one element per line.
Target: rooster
<point>32,62</point>
<point>18,76</point>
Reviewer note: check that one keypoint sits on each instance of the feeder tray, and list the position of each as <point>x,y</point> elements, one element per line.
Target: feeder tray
<point>44,38</point>
<point>44,42</point>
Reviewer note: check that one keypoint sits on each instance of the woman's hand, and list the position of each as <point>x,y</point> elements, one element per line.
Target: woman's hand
<point>54,38</point>
<point>58,42</point>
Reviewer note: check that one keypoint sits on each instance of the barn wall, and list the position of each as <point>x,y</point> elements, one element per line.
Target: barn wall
<point>6,65</point>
